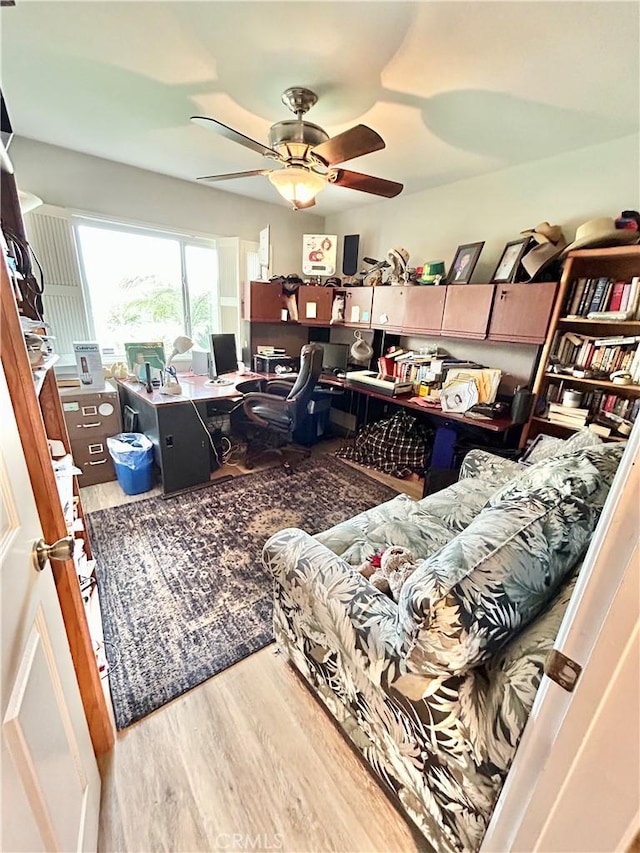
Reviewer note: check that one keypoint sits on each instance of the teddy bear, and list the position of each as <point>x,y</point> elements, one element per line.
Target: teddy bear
<point>388,568</point>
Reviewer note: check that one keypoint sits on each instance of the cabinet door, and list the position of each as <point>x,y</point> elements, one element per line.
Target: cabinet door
<point>521,312</point>
<point>314,305</point>
<point>423,309</point>
<point>265,303</point>
<point>388,307</point>
<point>466,310</point>
<point>357,307</point>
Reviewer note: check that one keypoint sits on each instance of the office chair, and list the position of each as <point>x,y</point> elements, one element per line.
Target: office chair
<point>282,407</point>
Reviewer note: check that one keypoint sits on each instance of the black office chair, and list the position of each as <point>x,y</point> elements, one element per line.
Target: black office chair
<point>281,408</point>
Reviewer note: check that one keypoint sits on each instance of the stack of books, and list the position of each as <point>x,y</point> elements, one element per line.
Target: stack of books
<point>589,296</point>
<point>567,415</point>
<point>607,355</point>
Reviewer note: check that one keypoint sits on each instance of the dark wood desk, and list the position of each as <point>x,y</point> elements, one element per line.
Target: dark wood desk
<point>405,400</point>
<point>181,445</point>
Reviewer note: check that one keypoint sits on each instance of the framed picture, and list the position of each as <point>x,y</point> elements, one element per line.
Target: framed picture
<point>510,261</point>
<point>464,263</point>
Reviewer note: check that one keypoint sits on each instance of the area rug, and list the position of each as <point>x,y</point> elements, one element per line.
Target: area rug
<point>183,591</point>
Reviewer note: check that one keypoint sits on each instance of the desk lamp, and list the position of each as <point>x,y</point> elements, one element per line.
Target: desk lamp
<point>171,385</point>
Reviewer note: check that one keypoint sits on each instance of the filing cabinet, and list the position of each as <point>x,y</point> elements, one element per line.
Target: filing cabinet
<point>91,416</point>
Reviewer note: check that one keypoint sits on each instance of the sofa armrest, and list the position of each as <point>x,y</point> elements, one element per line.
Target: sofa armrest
<point>333,597</point>
<point>488,466</point>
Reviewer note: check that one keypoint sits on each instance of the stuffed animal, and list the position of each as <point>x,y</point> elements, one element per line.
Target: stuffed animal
<point>388,568</point>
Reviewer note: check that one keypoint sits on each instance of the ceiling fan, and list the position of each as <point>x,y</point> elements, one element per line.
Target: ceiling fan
<point>306,154</point>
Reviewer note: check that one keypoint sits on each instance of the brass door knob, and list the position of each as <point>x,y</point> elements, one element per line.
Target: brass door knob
<point>60,550</point>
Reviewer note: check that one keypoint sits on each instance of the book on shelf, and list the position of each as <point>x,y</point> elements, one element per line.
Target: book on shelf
<point>571,411</point>
<point>576,423</point>
<point>603,298</point>
<point>600,429</point>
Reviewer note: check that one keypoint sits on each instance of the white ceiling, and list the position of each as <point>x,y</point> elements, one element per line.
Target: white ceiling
<point>456,89</point>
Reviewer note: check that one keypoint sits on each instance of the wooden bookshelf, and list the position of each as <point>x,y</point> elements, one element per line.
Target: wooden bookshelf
<point>619,263</point>
<point>554,425</point>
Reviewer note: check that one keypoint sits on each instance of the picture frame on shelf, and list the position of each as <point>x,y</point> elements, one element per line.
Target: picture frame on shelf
<point>505,271</point>
<point>464,263</point>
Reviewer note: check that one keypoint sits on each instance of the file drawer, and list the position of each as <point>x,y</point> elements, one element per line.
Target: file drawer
<point>92,457</point>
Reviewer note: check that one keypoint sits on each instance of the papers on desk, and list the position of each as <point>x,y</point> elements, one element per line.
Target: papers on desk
<point>464,387</point>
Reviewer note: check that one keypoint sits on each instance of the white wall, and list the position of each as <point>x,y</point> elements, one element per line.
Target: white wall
<point>567,189</point>
<point>79,181</point>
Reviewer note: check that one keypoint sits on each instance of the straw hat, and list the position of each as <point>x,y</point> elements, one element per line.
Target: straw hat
<point>546,233</point>
<point>601,232</point>
<point>540,257</point>
<point>400,256</point>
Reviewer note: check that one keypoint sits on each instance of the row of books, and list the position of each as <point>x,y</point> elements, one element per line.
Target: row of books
<point>587,296</point>
<point>604,355</point>
<point>602,411</point>
<point>409,366</point>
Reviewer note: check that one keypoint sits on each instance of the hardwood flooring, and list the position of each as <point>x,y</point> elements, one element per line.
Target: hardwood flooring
<point>248,760</point>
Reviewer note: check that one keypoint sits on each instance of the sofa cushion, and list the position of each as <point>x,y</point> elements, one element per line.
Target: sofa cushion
<point>421,526</point>
<point>567,467</point>
<point>470,598</point>
<point>545,447</point>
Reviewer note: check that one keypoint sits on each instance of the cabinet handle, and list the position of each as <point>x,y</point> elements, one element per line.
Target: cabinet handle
<point>503,293</point>
<point>86,426</point>
<point>101,462</point>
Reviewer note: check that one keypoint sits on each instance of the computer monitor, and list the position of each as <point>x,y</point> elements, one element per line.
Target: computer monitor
<point>335,357</point>
<point>224,356</point>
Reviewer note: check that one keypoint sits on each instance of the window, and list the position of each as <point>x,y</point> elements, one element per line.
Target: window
<point>146,286</point>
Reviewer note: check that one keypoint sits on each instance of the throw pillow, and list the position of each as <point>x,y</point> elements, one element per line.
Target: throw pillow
<point>470,598</point>
<point>567,468</point>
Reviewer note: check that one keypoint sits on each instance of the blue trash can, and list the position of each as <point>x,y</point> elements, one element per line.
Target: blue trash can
<point>132,454</point>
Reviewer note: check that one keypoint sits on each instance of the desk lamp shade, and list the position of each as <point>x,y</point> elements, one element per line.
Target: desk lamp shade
<point>181,345</point>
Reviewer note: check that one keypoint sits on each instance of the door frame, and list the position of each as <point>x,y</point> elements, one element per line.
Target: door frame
<point>549,800</point>
<point>34,439</point>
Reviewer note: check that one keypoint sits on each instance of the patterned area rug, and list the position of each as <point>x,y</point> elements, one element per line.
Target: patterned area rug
<point>183,591</point>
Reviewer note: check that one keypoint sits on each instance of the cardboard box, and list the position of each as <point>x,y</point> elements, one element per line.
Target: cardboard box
<point>89,364</point>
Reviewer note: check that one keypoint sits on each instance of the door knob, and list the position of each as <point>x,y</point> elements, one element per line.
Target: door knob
<point>60,550</point>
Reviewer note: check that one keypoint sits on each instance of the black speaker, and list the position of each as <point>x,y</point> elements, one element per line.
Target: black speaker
<point>350,254</point>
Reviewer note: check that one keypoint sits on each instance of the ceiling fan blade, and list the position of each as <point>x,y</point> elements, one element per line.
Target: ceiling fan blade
<point>231,175</point>
<point>367,183</point>
<point>352,143</point>
<point>234,135</point>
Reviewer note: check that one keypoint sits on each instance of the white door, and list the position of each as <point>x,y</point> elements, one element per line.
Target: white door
<point>574,785</point>
<point>50,781</point>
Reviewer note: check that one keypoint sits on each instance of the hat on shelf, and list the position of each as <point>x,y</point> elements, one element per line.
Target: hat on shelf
<point>629,220</point>
<point>400,256</point>
<point>549,243</point>
<point>601,232</point>
<point>535,261</point>
<point>546,233</point>
<point>430,271</point>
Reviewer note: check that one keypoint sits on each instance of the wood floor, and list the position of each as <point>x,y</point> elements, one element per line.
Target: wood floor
<point>246,761</point>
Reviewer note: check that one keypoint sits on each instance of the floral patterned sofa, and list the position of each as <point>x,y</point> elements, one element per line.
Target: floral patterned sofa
<point>435,690</point>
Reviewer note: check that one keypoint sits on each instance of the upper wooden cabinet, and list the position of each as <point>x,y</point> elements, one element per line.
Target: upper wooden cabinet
<point>314,305</point>
<point>521,312</point>
<point>467,309</point>
<point>357,306</point>
<point>263,302</point>
<point>423,309</point>
<point>409,310</point>
<point>388,311</point>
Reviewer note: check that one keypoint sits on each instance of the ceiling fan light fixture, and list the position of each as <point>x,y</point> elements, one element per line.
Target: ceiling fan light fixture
<point>297,185</point>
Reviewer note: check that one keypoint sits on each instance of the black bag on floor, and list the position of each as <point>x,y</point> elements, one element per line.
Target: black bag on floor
<point>399,445</point>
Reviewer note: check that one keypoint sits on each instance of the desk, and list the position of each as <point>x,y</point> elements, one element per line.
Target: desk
<point>183,451</point>
<point>181,446</point>
<point>448,427</point>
